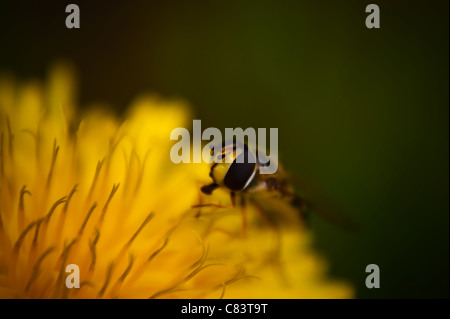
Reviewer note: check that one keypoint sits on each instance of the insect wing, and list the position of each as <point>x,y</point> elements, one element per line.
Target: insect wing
<point>323,207</point>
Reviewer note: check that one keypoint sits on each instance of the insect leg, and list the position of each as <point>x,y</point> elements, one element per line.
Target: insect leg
<point>244,217</point>
<point>211,205</point>
<point>233,201</point>
<point>275,256</point>
<point>233,198</point>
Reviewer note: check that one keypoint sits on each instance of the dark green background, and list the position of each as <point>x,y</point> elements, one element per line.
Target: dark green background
<point>361,113</point>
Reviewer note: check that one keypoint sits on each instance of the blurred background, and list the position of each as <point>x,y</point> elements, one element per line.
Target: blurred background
<point>362,113</point>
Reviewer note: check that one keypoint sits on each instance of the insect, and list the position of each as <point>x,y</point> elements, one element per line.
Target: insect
<point>237,169</point>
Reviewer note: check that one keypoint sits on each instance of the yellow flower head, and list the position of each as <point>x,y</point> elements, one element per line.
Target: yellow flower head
<point>102,193</point>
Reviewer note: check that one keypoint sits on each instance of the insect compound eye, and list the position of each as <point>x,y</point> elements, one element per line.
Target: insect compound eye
<point>241,171</point>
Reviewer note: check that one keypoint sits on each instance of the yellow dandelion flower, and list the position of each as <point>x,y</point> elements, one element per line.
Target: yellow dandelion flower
<point>101,193</point>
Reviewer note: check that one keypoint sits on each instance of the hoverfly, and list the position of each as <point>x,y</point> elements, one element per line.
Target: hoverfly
<point>236,168</point>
